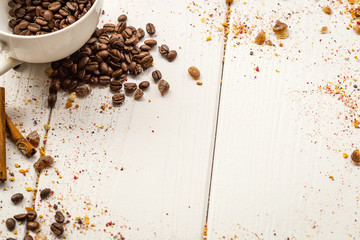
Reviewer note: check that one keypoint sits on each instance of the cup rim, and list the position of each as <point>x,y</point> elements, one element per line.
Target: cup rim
<point>11,35</point>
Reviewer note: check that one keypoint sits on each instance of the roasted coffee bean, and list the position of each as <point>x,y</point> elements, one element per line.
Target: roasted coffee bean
<point>52,100</point>
<point>147,61</point>
<point>45,193</point>
<point>31,215</point>
<point>164,49</point>
<point>29,237</point>
<point>156,75</point>
<point>138,69</point>
<point>91,66</point>
<point>11,239</point>
<point>109,27</point>
<point>32,225</point>
<point>127,33</point>
<point>16,198</point>
<point>118,99</point>
<point>150,28</point>
<point>130,87</point>
<point>117,73</point>
<point>138,94</point>
<point>59,217</point>
<point>140,33</point>
<point>144,85</point>
<point>145,47</point>
<point>103,68</point>
<point>104,80</point>
<point>163,86</point>
<point>171,55</point>
<point>20,217</point>
<point>132,67</point>
<point>83,90</point>
<point>54,6</point>
<point>150,42</point>
<point>34,27</point>
<point>120,27</point>
<point>115,85</point>
<point>132,41</point>
<point>122,18</point>
<point>10,224</point>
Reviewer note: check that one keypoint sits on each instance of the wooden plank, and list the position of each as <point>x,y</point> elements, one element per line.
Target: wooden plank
<point>278,168</point>
<point>144,166</point>
<point>26,91</point>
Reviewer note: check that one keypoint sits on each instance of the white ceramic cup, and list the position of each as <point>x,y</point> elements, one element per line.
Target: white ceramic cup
<point>45,48</point>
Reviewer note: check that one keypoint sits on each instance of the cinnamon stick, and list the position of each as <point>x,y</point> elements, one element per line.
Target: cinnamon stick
<point>3,175</point>
<point>21,143</point>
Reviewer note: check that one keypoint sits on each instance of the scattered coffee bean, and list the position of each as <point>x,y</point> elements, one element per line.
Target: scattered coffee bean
<point>130,87</point>
<point>144,85</point>
<point>16,198</point>
<point>150,28</point>
<point>10,224</point>
<point>156,75</point>
<point>20,217</point>
<point>57,229</point>
<point>138,94</point>
<point>38,17</point>
<point>11,239</point>
<point>163,86</point>
<point>43,162</point>
<point>115,85</point>
<point>83,90</point>
<point>33,138</point>
<point>150,42</point>
<point>31,215</point>
<point>122,18</point>
<point>32,225</point>
<point>194,72</point>
<point>118,99</point>
<point>59,217</point>
<point>45,193</point>
<point>28,237</point>
<point>164,49</point>
<point>171,55</point>
<point>145,47</point>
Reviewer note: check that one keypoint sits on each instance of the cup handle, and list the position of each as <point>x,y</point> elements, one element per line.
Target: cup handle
<point>9,62</point>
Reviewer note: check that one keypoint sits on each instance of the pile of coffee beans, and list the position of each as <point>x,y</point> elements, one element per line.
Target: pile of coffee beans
<point>108,57</point>
<point>37,17</point>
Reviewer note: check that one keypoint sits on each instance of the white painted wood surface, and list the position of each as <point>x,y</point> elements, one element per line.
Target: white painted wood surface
<point>146,166</point>
<point>279,140</point>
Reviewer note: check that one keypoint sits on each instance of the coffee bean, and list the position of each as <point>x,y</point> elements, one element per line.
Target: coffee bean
<point>103,68</point>
<point>54,6</point>
<point>164,49</point>
<point>130,87</point>
<point>122,18</point>
<point>194,72</point>
<point>31,215</point>
<point>118,99</point>
<point>32,225</point>
<point>104,80</point>
<point>16,198</point>
<point>138,69</point>
<point>120,27</point>
<point>156,75</point>
<point>150,28</point>
<point>59,217</point>
<point>45,193</point>
<point>29,237</point>
<point>20,217</point>
<point>83,90</point>
<point>171,55</point>
<point>11,239</point>
<point>115,85</point>
<point>138,94</point>
<point>144,85</point>
<point>150,42</point>
<point>163,87</point>
<point>109,27</point>
<point>140,33</point>
<point>10,224</point>
<point>34,27</point>
<point>91,66</point>
<point>147,61</point>
<point>145,47</point>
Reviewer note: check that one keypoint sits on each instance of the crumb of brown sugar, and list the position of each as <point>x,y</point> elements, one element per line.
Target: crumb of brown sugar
<point>355,157</point>
<point>198,82</point>
<point>281,29</point>
<point>72,97</point>
<point>327,10</point>
<point>356,28</point>
<point>68,104</point>
<point>324,30</point>
<point>269,43</point>
<point>260,38</point>
<point>345,155</point>
<point>229,1</point>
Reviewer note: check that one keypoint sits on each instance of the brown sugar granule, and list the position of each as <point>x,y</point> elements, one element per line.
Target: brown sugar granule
<point>260,38</point>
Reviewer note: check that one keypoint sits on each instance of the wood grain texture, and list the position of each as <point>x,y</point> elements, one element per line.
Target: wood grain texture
<point>144,166</point>
<point>26,91</point>
<point>278,168</point>
<point>3,171</point>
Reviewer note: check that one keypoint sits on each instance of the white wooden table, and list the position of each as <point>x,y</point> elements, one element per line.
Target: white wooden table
<point>247,155</point>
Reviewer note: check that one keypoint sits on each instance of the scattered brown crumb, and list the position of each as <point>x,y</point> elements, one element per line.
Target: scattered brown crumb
<point>260,38</point>
<point>324,30</point>
<point>356,28</point>
<point>355,157</point>
<point>68,104</point>
<point>281,29</point>
<point>327,10</point>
